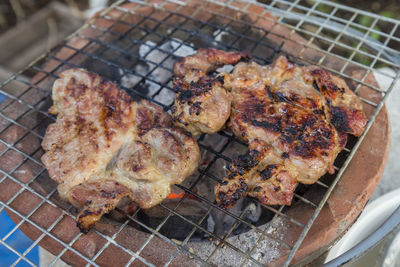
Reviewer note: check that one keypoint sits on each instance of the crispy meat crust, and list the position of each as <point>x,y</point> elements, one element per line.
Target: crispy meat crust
<point>104,146</point>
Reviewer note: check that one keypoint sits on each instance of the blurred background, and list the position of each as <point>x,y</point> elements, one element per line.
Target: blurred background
<point>28,28</point>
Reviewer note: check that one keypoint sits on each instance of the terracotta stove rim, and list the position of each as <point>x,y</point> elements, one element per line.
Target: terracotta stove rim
<point>307,249</point>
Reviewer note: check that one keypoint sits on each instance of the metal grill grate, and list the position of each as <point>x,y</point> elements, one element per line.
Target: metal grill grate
<point>110,44</point>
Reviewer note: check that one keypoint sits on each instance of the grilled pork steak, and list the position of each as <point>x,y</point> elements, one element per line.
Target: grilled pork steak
<point>105,146</point>
<point>295,120</point>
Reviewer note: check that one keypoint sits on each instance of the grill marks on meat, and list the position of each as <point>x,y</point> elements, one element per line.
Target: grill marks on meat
<point>202,104</point>
<point>345,109</point>
<point>295,120</point>
<point>104,146</point>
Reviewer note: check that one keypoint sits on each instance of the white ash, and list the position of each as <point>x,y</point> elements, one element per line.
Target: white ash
<point>210,224</point>
<point>156,65</point>
<point>225,68</point>
<point>165,96</point>
<point>266,250</point>
<point>180,49</point>
<point>219,35</point>
<point>253,212</point>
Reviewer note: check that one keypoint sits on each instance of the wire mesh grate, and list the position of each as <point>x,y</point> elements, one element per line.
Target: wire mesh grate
<point>120,44</point>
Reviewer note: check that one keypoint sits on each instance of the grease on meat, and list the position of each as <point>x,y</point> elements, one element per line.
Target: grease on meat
<point>104,146</point>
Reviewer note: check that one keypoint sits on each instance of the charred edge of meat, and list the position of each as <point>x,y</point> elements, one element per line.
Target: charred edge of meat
<point>229,198</point>
<point>173,109</point>
<point>319,111</point>
<point>197,88</point>
<point>80,220</point>
<point>82,229</point>
<point>220,78</point>
<point>340,119</point>
<point>325,78</point>
<point>270,94</point>
<point>254,152</point>
<point>232,175</point>
<point>245,162</point>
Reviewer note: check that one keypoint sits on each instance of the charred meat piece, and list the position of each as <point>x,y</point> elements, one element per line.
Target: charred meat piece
<point>104,146</point>
<point>295,119</point>
<point>202,104</point>
<point>260,174</point>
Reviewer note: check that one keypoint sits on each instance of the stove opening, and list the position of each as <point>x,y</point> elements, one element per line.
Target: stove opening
<point>195,211</point>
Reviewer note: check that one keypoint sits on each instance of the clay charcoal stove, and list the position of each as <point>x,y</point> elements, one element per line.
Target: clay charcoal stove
<point>134,44</point>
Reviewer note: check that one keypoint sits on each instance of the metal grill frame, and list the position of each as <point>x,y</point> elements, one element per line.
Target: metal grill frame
<point>285,11</point>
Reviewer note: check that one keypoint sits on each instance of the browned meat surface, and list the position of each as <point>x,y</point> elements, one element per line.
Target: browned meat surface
<point>202,104</point>
<point>295,120</point>
<point>193,68</point>
<point>261,174</point>
<point>104,146</point>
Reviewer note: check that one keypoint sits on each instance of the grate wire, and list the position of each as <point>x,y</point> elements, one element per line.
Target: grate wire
<point>283,14</point>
